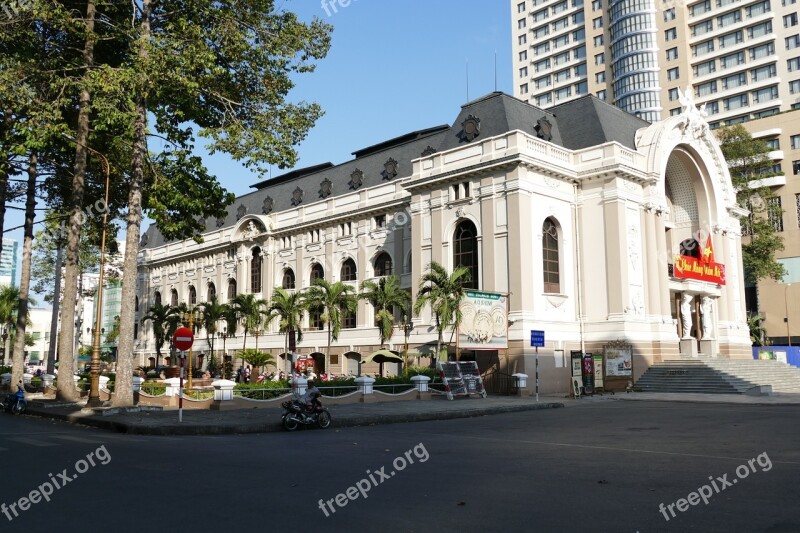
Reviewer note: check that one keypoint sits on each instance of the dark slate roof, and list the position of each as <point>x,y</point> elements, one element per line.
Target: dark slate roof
<point>589,121</point>
<point>577,124</point>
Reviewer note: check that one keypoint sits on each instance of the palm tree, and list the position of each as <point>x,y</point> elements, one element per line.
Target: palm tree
<point>248,310</point>
<point>213,312</point>
<point>385,295</point>
<point>289,307</point>
<point>257,360</point>
<point>332,299</point>
<point>9,301</point>
<point>444,293</point>
<point>161,316</point>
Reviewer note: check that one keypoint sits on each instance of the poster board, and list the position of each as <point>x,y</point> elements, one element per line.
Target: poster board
<point>484,321</point>
<point>599,368</point>
<point>618,357</point>
<point>576,358</point>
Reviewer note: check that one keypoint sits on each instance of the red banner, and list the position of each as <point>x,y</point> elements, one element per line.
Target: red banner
<point>700,269</point>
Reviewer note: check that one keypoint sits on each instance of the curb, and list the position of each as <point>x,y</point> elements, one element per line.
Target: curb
<point>232,429</point>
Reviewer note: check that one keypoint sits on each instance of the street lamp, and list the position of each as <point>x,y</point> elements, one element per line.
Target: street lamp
<point>786,305</point>
<point>407,327</point>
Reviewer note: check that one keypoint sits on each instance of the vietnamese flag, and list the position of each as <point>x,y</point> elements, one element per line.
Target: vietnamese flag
<point>708,251</point>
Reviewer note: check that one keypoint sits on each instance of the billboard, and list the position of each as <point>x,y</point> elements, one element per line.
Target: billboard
<point>484,321</point>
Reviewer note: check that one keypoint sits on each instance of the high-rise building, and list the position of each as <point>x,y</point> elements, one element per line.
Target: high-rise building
<point>8,263</point>
<point>741,58</point>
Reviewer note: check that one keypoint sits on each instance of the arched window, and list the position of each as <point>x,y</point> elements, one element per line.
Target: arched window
<point>465,250</point>
<point>157,297</point>
<point>173,298</point>
<point>383,265</point>
<point>255,271</point>
<point>288,279</point>
<point>192,295</point>
<point>348,320</point>
<point>550,262</point>
<point>349,270</point>
<point>315,319</point>
<point>211,293</point>
<point>231,289</point>
<point>136,308</point>
<point>316,272</point>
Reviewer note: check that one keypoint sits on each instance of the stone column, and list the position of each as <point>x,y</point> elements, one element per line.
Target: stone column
<point>663,255</point>
<point>653,276</point>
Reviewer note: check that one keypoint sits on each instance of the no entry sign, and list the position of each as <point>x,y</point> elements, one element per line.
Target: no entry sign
<point>183,339</point>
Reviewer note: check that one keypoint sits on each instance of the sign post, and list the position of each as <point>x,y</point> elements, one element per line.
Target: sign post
<point>183,340</point>
<point>537,340</point>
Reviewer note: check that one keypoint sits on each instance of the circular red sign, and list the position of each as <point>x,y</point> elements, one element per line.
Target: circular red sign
<point>183,339</point>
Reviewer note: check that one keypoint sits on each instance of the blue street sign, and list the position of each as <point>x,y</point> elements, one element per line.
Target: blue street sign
<point>537,338</point>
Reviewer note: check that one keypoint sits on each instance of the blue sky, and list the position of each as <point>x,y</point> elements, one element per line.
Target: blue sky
<point>393,68</point>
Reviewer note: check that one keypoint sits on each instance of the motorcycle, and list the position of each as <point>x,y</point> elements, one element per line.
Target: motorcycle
<point>309,414</point>
<point>15,401</point>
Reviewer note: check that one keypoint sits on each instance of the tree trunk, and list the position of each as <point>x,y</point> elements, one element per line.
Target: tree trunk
<point>25,276</point>
<point>66,344</point>
<point>51,353</point>
<point>328,352</point>
<point>123,389</point>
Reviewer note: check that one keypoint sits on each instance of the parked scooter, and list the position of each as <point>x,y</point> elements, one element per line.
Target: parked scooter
<point>15,401</point>
<point>308,414</point>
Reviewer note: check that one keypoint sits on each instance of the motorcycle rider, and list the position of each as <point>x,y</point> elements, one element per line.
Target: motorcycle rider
<point>311,397</point>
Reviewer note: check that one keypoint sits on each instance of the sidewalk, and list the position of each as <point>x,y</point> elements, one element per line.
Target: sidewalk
<point>776,398</point>
<point>261,420</point>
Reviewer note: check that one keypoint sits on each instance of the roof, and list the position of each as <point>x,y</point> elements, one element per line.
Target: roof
<point>580,123</point>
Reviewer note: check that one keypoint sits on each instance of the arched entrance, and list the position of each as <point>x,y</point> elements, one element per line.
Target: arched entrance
<point>352,364</point>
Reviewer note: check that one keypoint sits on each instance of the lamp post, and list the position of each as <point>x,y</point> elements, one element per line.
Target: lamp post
<point>786,305</point>
<point>407,327</point>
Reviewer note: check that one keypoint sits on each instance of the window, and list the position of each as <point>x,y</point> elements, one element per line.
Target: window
<point>578,35</point>
<point>797,204</point>
<point>794,87</point>
<point>561,58</point>
<point>597,23</point>
<point>757,9</point>
<point>581,88</point>
<point>579,53</point>
<point>521,24</point>
<point>597,4</point>
<point>348,320</point>
<point>702,28</point>
<point>704,89</point>
<point>523,56</point>
<point>731,39</point>
<point>544,99</point>
<point>578,18</point>
<point>380,221</point>
<point>673,73</point>
<point>674,111</point>
<point>561,6</point>
<point>672,54</point>
<point>543,82</point>
<point>522,39</point>
<point>523,72</point>
<point>712,108</point>
<point>601,94</point>
<point>346,229</point>
<point>521,7</point>
<point>315,321</point>
<point>775,213</point>
<point>157,298</point>
<point>669,14</point>
<point>541,31</point>
<point>673,94</point>
<point>562,75</point>
<point>560,41</point>
<point>763,73</point>
<point>173,301</point>
<point>793,42</point>
<point>731,82</point>
<point>231,289</point>
<point>316,272</point>
<point>561,24</point>
<point>598,40</point>
<point>671,34</point>
<point>759,30</point>
<point>542,48</point>
<point>600,77</point>
<point>600,59</point>
<point>774,144</point>
<point>288,279</point>
<point>765,95</point>
<point>790,20</point>
<point>729,18</point>
<point>703,48</point>
<point>793,64</point>
<point>758,52</point>
<point>731,60</point>
<point>523,89</point>
<point>550,260</point>
<point>465,250</point>
<point>348,272</point>
<point>563,93</point>
<point>541,15</point>
<point>699,9</point>
<point>580,70</point>
<point>383,265</point>
<point>255,271</point>
<point>735,102</point>
<point>796,168</point>
<point>211,292</point>
<point>795,142</point>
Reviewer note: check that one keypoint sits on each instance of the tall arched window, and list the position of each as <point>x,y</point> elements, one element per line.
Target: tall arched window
<point>173,298</point>
<point>211,293</point>
<point>136,308</point>
<point>550,261</point>
<point>255,271</point>
<point>383,265</point>
<point>465,250</point>
<point>288,279</point>
<point>349,271</point>
<point>231,289</point>
<point>192,295</point>
<point>316,272</point>
<point>157,297</point>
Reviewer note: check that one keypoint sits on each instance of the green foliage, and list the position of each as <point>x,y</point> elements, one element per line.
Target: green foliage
<point>758,333</point>
<point>213,365</point>
<point>385,296</point>
<point>248,310</point>
<point>444,293</point>
<point>163,319</point>
<point>288,307</point>
<point>199,394</point>
<point>748,161</point>
<point>257,359</point>
<point>154,388</point>
<point>262,391</point>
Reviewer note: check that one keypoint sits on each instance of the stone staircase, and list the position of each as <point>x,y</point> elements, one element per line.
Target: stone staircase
<point>719,376</point>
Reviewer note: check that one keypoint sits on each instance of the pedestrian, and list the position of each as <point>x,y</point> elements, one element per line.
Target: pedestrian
<point>247,374</point>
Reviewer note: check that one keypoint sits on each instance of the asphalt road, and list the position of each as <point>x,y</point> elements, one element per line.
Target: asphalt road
<point>597,466</point>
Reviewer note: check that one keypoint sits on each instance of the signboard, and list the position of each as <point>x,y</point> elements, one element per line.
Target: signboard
<point>484,321</point>
<point>701,269</point>
<point>537,338</point>
<point>598,371</point>
<point>183,339</point>
<point>618,361</point>
<point>588,373</point>
<point>576,356</point>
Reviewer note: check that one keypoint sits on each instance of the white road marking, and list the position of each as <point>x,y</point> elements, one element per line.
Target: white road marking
<point>32,442</point>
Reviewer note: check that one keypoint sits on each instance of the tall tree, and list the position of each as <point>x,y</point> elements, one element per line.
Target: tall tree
<point>333,299</point>
<point>249,311</point>
<point>228,70</point>
<point>385,296</point>
<point>444,293</point>
<point>159,316</point>
<point>748,162</point>
<point>288,307</point>
<point>212,313</point>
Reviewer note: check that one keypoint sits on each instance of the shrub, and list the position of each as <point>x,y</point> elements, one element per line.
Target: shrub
<point>154,388</point>
<point>262,391</point>
<point>196,394</point>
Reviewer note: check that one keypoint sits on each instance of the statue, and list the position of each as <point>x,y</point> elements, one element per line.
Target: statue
<point>694,118</point>
<point>706,310</point>
<point>686,315</point>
